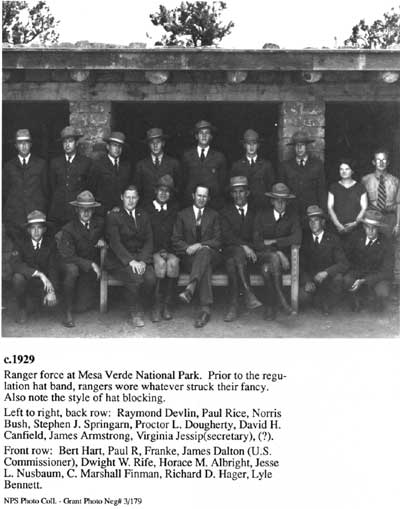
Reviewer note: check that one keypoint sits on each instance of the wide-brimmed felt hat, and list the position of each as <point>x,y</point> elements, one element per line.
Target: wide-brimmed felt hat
<point>165,181</point>
<point>69,132</point>
<point>85,199</point>
<point>204,124</point>
<point>300,137</point>
<point>238,181</point>
<point>251,136</point>
<point>154,133</point>
<point>23,135</point>
<point>374,218</point>
<point>314,210</point>
<point>116,137</point>
<point>36,217</point>
<point>280,190</point>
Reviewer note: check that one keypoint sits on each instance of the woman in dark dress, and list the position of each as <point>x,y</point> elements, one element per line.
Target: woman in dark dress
<point>347,202</point>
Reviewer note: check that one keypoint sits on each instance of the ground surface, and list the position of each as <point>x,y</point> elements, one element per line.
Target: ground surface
<point>309,323</point>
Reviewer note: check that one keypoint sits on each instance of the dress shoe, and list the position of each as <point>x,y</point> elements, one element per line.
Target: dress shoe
<point>270,313</point>
<point>202,320</point>
<point>166,314</point>
<point>22,316</point>
<point>68,320</point>
<point>288,310</point>
<point>156,314</point>
<point>232,314</point>
<point>138,319</point>
<point>186,296</point>
<point>251,301</point>
<point>325,309</point>
<point>356,305</point>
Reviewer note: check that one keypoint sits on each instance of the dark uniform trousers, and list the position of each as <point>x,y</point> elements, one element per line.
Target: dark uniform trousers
<point>307,183</point>
<point>211,172</point>
<point>147,176</point>
<point>77,249</point>
<point>67,180</point>
<point>327,256</point>
<point>260,177</point>
<point>236,232</point>
<point>109,182</point>
<point>372,263</point>
<point>131,240</point>
<point>25,261</point>
<point>24,190</point>
<point>201,264</point>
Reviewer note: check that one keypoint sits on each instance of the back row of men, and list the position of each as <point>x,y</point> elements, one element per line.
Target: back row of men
<point>147,244</point>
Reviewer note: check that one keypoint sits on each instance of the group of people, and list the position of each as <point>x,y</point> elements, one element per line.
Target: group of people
<point>193,216</point>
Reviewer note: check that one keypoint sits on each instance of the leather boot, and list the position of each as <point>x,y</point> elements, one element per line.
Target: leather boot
<point>187,294</point>
<point>21,316</point>
<point>270,297</point>
<point>156,311</point>
<point>250,300</point>
<point>68,320</point>
<point>232,312</point>
<point>281,297</point>
<point>169,297</point>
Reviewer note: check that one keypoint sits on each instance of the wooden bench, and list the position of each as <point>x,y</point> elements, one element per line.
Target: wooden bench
<point>218,279</point>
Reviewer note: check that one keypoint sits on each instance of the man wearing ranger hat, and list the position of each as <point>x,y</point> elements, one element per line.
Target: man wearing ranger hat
<point>78,246</point>
<point>163,212</point>
<point>237,220</point>
<point>69,175</point>
<point>259,172</point>
<point>24,185</point>
<point>112,174</point>
<point>34,266</point>
<point>155,165</point>
<point>305,176</point>
<point>371,263</point>
<point>202,164</point>
<point>276,228</point>
<point>322,263</point>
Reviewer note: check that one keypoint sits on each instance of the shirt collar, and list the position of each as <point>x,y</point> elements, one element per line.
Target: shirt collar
<point>71,158</point>
<point>84,224</point>
<point>200,149</point>
<point>37,243</point>
<point>196,210</point>
<point>319,236</point>
<point>379,174</point>
<point>26,158</point>
<point>305,159</point>
<point>245,207</point>
<point>159,157</point>
<point>129,212</point>
<point>160,207</point>
<point>372,242</point>
<point>113,159</point>
<point>278,215</point>
<point>254,158</point>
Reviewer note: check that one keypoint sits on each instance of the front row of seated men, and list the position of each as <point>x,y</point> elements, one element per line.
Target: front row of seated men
<point>148,248</point>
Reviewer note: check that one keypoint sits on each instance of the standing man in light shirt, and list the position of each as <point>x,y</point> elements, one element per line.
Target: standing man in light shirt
<point>25,186</point>
<point>197,239</point>
<point>69,175</point>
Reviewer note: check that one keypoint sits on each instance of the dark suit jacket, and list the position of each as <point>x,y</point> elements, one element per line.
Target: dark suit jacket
<point>107,185</point>
<point>328,256</point>
<point>236,232</point>
<point>77,245</point>
<point>307,183</point>
<point>374,263</point>
<point>128,241</point>
<point>26,260</point>
<point>24,190</point>
<point>286,231</point>
<point>66,182</point>
<point>147,175</point>
<point>184,234</point>
<point>211,172</point>
<point>162,224</point>
<point>260,177</point>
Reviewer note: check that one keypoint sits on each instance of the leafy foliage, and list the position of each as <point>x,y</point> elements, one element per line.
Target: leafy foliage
<point>381,34</point>
<point>24,23</point>
<point>192,24</point>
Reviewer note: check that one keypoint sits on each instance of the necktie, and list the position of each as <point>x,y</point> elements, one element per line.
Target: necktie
<point>280,216</point>
<point>198,218</point>
<point>157,162</point>
<point>37,246</point>
<point>87,226</point>
<point>116,165</point>
<point>241,211</point>
<point>252,162</point>
<point>381,204</point>
<point>23,162</point>
<point>369,243</point>
<point>316,242</point>
<point>132,216</point>
<point>69,159</point>
<point>203,155</point>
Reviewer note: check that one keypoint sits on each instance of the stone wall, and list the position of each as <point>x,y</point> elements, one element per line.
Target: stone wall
<point>295,116</point>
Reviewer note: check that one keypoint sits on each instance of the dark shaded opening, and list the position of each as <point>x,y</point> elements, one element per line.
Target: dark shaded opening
<point>356,130</point>
<point>177,119</point>
<point>45,120</point>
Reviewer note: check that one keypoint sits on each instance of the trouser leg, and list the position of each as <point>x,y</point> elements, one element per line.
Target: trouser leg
<point>70,277</point>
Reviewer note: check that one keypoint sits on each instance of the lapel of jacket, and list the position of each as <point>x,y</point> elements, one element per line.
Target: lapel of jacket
<point>129,222</point>
<point>205,219</point>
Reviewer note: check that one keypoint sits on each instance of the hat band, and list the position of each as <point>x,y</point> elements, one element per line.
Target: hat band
<point>372,222</point>
<point>279,195</point>
<point>85,202</point>
<point>23,138</point>
<point>32,221</point>
<point>116,140</point>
